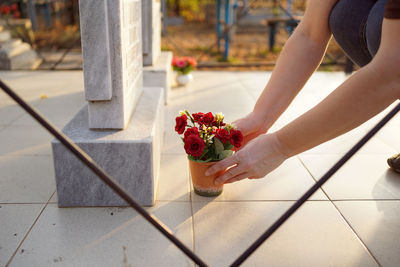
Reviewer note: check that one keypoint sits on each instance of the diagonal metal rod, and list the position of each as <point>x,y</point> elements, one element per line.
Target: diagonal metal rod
<point>106,178</point>
<point>315,187</point>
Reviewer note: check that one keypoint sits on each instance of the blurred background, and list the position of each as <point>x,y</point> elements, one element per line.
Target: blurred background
<point>219,34</point>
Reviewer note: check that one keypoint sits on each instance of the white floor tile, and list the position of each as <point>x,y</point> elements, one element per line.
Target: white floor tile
<point>15,221</point>
<point>315,235</point>
<point>378,225</point>
<point>288,182</point>
<point>25,140</point>
<point>9,113</point>
<point>362,177</point>
<point>59,110</point>
<point>174,178</point>
<point>26,179</point>
<point>96,237</point>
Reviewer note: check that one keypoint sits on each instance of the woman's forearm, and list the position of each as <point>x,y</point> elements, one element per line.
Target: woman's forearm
<point>359,98</point>
<point>297,61</point>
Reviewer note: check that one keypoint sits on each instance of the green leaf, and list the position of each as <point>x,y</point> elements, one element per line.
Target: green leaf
<point>198,160</point>
<point>228,146</point>
<point>224,154</point>
<point>219,147</point>
<point>205,151</point>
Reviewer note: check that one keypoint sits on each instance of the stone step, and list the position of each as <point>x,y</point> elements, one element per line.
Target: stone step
<point>5,36</point>
<point>27,60</point>
<point>13,50</point>
<point>131,156</point>
<point>11,43</point>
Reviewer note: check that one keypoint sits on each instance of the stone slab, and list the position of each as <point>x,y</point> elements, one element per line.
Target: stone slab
<point>131,156</point>
<point>5,36</point>
<point>160,74</point>
<point>95,49</point>
<point>25,59</point>
<point>151,31</point>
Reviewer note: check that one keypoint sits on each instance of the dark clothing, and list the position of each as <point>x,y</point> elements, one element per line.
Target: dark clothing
<point>356,26</point>
<point>392,9</point>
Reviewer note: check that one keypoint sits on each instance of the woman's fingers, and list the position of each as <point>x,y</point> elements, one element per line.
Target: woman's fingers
<point>222,165</point>
<point>238,178</point>
<point>230,173</point>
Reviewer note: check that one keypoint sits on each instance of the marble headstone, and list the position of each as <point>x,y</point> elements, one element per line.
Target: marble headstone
<point>151,29</point>
<point>112,56</point>
<point>121,128</point>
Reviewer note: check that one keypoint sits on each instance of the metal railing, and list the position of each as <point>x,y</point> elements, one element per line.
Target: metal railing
<point>117,188</point>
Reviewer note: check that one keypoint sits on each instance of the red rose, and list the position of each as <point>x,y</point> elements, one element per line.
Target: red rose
<point>207,118</point>
<point>197,116</point>
<point>236,138</point>
<point>5,9</point>
<point>222,134</point>
<point>181,123</point>
<point>17,14</point>
<point>194,145</point>
<point>191,131</point>
<point>14,7</point>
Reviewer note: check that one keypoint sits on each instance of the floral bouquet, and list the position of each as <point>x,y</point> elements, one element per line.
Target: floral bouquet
<point>184,65</point>
<point>10,10</point>
<point>207,139</point>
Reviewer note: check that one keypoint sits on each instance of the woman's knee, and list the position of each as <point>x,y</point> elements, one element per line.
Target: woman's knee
<point>347,23</point>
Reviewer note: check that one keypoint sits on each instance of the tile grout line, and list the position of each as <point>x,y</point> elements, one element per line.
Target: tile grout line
<point>344,218</point>
<point>29,231</point>
<point>191,212</point>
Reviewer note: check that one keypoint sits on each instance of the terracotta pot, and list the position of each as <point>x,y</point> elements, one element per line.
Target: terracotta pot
<point>204,185</point>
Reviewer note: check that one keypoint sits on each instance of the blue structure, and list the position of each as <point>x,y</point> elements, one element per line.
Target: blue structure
<point>228,8</point>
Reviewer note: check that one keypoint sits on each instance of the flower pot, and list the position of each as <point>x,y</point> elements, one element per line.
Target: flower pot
<point>204,185</point>
<point>183,79</point>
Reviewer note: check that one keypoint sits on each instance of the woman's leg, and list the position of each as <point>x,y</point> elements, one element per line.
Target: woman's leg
<point>373,36</point>
<point>356,26</point>
<point>348,20</point>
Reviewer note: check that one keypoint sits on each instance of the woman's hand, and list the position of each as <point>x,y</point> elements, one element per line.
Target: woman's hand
<point>258,158</point>
<point>251,126</point>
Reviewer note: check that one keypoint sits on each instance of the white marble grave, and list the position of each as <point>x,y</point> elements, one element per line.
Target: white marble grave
<point>15,54</point>
<point>122,126</point>
<point>157,65</point>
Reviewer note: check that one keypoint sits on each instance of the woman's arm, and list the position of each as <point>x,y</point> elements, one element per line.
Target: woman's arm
<point>360,97</point>
<point>299,58</point>
<point>363,95</point>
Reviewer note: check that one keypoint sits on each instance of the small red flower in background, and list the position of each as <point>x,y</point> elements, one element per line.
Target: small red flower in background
<point>236,138</point>
<point>16,14</point>
<point>181,123</point>
<point>194,145</point>
<point>184,65</point>
<point>181,63</point>
<point>14,7</point>
<point>5,10</point>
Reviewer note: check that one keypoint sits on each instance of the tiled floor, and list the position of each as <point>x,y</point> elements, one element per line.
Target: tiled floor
<point>354,220</point>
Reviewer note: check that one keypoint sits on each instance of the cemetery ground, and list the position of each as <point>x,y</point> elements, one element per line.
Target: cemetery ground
<point>353,220</point>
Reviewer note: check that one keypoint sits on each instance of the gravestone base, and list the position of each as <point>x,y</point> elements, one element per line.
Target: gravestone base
<point>160,74</point>
<point>131,156</point>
